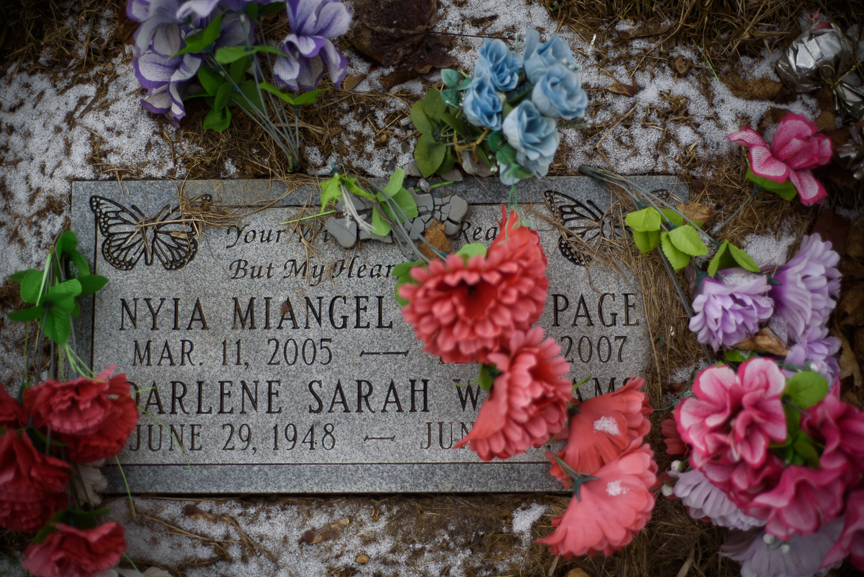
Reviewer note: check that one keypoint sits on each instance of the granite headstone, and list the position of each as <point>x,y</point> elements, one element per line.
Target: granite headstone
<point>268,358</point>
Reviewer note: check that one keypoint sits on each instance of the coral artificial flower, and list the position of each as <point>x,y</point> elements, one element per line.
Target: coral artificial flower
<point>734,415</point>
<point>807,287</point>
<point>761,555</point>
<point>729,308</point>
<point>675,445</point>
<point>528,400</point>
<point>851,539</point>
<point>12,413</point>
<point>797,148</point>
<point>464,308</point>
<point>20,513</point>
<point>71,552</point>
<point>603,428</point>
<point>26,473</point>
<point>704,499</point>
<point>608,510</point>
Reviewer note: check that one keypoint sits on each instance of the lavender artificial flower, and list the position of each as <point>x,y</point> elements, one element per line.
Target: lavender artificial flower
<point>730,307</point>
<point>761,555</point>
<point>160,26</point>
<point>809,285</point>
<point>707,500</point>
<point>815,351</point>
<point>166,81</point>
<point>308,47</point>
<point>204,8</point>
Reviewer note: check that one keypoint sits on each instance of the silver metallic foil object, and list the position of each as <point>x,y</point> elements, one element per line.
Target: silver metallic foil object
<point>852,154</point>
<point>824,56</point>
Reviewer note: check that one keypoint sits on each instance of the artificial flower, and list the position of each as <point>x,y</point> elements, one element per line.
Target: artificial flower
<point>815,351</point>
<point>204,8</point>
<point>539,58</point>
<point>499,64</point>
<point>734,415</point>
<point>740,481</point>
<point>558,94</point>
<point>166,81</point>
<point>761,555</point>
<point>839,428</point>
<point>88,481</point>
<point>462,308</point>
<point>851,539</point>
<point>807,287</point>
<point>528,400</point>
<point>308,48</point>
<point>159,31</point>
<point>608,509</point>
<point>797,148</point>
<point>27,473</point>
<point>704,499</point>
<point>109,439</point>
<point>481,106</point>
<point>534,136</point>
<point>675,445</point>
<point>729,308</point>
<point>30,513</point>
<point>12,413</point>
<point>71,552</point>
<point>602,429</point>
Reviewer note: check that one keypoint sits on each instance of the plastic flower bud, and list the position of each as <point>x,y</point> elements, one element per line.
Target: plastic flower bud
<point>482,106</point>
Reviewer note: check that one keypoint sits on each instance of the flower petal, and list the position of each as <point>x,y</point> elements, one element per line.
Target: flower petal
<point>764,165</point>
<point>809,189</point>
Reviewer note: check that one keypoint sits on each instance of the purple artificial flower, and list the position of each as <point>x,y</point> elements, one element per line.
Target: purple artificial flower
<point>761,555</point>
<point>308,48</point>
<point>160,26</point>
<point>815,351</point>
<point>166,81</point>
<point>203,8</point>
<point>707,500</point>
<point>809,285</point>
<point>730,307</point>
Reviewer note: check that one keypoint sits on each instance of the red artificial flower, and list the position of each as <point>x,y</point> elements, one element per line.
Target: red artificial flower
<point>603,428</point>
<point>25,472</point>
<point>464,308</point>
<point>839,427</point>
<point>609,510</point>
<point>675,445</point>
<point>734,415</point>
<point>71,552</point>
<point>797,148</point>
<point>528,400</point>
<point>21,514</point>
<point>12,413</point>
<point>851,541</point>
<point>109,439</point>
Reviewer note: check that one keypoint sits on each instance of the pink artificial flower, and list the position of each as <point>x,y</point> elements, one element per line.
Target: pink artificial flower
<point>734,415</point>
<point>528,400</point>
<point>851,541</point>
<point>12,413</point>
<point>839,427</point>
<point>797,148</point>
<point>609,510</point>
<point>71,552</point>
<point>740,481</point>
<point>603,428</point>
<point>804,499</point>
<point>465,308</point>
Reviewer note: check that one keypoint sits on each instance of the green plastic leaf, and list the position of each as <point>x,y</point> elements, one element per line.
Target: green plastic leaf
<point>288,98</point>
<point>420,119</point>
<point>230,54</point>
<point>494,140</point>
<point>31,314</point>
<point>429,154</point>
<point>449,161</point>
<point>472,249</point>
<point>686,239</point>
<point>63,295</point>
<point>210,80</point>
<point>31,284</point>
<point>252,101</point>
<point>506,155</point>
<point>67,242</point>
<point>485,379</point>
<point>76,310</point>
<point>743,259</point>
<point>461,128</point>
<point>218,120</point>
<point>57,326</point>
<point>805,389</point>
<point>222,96</point>
<point>308,97</point>
<point>330,190</point>
<point>805,446</point>
<point>379,226</point>
<point>737,355</point>
<point>786,190</point>
<point>406,202</point>
<point>450,77</point>
<point>58,517</point>
<point>676,258</point>
<point>91,283</point>
<point>517,172</point>
<point>77,265</point>
<point>721,259</point>
<point>18,277</point>
<point>433,105</point>
<point>672,216</point>
<point>450,98</point>
<point>402,272</point>
<point>237,69</point>
<point>396,180</point>
<point>645,220</point>
<point>201,41</point>
<point>646,241</point>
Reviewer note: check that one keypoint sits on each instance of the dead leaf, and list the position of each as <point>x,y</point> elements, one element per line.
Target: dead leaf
<point>625,89</point>
<point>680,64</point>
<point>362,559</point>
<point>752,89</point>
<point>196,514</point>
<point>397,77</point>
<point>351,81</point>
<point>855,241</point>
<point>436,237</point>
<point>826,120</point>
<point>650,28</point>
<point>834,228</point>
<point>126,26</point>
<point>772,116</point>
<point>286,308</point>
<point>332,531</point>
<point>765,341</point>
<point>848,363</point>
<point>695,211</point>
<point>577,572</point>
<point>850,308</point>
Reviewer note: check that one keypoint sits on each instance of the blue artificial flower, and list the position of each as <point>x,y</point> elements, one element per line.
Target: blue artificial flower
<point>559,94</point>
<point>482,105</point>
<point>534,136</point>
<point>538,58</point>
<point>500,64</point>
<point>308,47</point>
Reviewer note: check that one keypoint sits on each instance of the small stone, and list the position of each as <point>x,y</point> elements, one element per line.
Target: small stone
<point>366,235</point>
<point>424,185</point>
<point>455,175</point>
<point>458,210</point>
<point>411,169</point>
<point>471,167</point>
<point>362,559</point>
<point>343,230</point>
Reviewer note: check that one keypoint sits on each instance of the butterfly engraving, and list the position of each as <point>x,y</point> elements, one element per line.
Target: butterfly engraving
<point>585,220</point>
<point>129,234</point>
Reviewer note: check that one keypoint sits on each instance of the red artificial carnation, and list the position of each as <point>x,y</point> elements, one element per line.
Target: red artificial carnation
<point>528,400</point>
<point>603,428</point>
<point>25,472</point>
<point>71,552</point>
<point>464,308</point>
<point>675,445</point>
<point>109,439</point>
<point>21,514</point>
<point>12,413</point>
<point>609,510</point>
<point>77,407</point>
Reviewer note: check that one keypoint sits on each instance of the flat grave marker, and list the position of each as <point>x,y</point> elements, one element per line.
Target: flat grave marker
<point>280,362</point>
